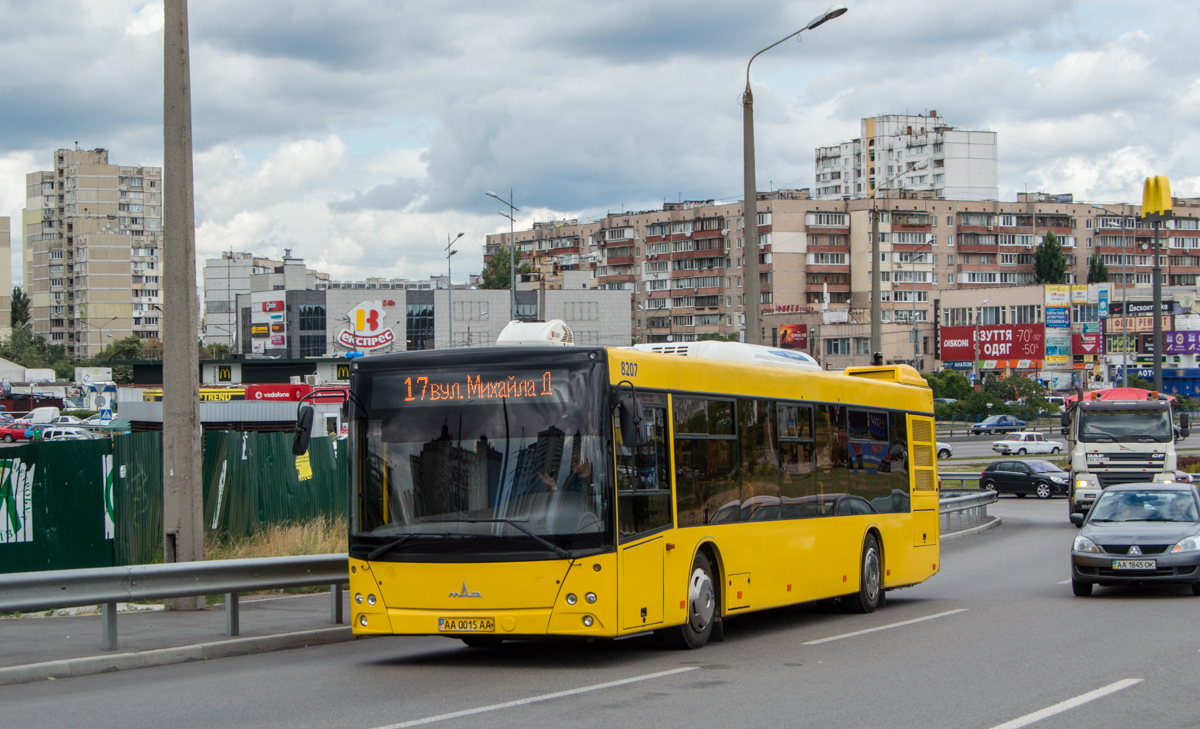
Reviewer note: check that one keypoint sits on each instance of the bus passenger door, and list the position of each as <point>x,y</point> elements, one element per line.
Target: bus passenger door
<point>644,511</point>
<point>922,460</point>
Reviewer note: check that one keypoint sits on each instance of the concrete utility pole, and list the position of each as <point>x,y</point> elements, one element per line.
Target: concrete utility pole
<point>183,506</point>
<point>750,271</point>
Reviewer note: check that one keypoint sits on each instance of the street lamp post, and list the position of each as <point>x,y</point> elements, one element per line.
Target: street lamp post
<point>752,302</point>
<point>978,316</point>
<point>512,251</point>
<point>450,288</point>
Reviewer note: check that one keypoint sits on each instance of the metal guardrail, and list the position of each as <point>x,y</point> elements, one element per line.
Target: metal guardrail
<point>965,504</point>
<point>962,477</point>
<point>107,586</point>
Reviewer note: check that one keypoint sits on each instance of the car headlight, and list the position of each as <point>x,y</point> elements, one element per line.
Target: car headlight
<point>1083,544</point>
<point>1188,544</point>
<point>1058,479</point>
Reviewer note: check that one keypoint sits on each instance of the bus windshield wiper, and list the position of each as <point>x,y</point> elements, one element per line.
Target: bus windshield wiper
<point>392,545</point>
<point>516,525</point>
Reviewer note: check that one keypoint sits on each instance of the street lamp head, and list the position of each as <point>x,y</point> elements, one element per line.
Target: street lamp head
<point>453,251</point>
<point>489,193</point>
<point>459,236</point>
<point>833,12</point>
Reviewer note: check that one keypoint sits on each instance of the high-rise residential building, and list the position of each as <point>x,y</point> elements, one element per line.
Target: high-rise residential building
<point>682,264</point>
<point>918,153</point>
<point>5,275</point>
<point>92,241</point>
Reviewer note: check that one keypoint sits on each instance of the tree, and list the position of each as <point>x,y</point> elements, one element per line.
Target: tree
<point>216,350</point>
<point>1049,263</point>
<point>34,352</point>
<point>121,350</point>
<point>20,307</point>
<point>495,276</point>
<point>1097,270</point>
<point>949,384</point>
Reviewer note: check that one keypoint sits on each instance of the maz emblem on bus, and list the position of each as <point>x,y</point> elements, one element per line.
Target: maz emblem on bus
<point>465,592</point>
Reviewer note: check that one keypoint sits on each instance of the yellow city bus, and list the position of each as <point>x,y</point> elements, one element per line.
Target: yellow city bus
<point>518,492</point>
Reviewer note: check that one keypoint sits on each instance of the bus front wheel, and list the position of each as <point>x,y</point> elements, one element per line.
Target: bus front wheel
<point>701,607</point>
<point>870,589</point>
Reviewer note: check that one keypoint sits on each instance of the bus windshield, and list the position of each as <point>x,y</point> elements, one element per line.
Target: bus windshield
<point>491,460</point>
<point>1128,426</point>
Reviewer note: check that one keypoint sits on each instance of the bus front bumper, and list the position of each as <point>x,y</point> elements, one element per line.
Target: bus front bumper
<point>493,623</point>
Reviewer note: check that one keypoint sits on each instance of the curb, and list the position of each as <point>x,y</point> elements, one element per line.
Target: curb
<point>91,665</point>
<point>951,537</point>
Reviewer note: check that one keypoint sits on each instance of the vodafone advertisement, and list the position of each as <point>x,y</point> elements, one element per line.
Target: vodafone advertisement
<point>1010,345</point>
<point>290,393</point>
<point>367,329</point>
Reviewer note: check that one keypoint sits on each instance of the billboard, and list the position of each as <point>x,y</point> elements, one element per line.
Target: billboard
<point>1058,350</point>
<point>793,336</point>
<point>1058,295</point>
<point>367,328</point>
<point>1181,342</point>
<point>88,375</point>
<point>1087,344</point>
<point>1003,343</point>
<point>1058,317</point>
<point>272,305</point>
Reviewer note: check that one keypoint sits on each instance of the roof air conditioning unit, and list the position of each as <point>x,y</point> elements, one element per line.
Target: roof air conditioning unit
<point>311,380</point>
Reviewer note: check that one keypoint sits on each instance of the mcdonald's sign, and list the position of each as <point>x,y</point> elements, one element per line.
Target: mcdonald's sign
<point>1156,198</point>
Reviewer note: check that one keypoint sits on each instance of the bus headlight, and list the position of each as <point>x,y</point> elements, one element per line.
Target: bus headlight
<point>362,620</point>
<point>587,621</point>
<point>370,599</point>
<point>590,597</point>
<point>571,599</point>
<point>358,598</point>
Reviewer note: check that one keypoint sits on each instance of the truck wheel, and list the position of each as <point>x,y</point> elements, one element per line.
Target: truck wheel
<point>702,608</point>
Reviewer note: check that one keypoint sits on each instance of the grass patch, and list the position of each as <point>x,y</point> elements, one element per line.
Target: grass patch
<point>323,535</point>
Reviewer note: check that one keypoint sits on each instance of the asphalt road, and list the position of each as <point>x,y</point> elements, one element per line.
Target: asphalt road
<point>980,446</point>
<point>996,637</point>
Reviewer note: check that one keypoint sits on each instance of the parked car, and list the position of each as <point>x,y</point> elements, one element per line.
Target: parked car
<point>1025,477</point>
<point>1022,443</point>
<point>94,422</point>
<point>12,432</point>
<point>1138,533</point>
<point>998,424</point>
<point>65,420</point>
<point>34,432</point>
<point>6,419</point>
<point>944,450</point>
<point>59,432</point>
<point>40,416</point>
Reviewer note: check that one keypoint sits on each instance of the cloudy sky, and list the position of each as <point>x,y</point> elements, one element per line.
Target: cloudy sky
<point>360,134</point>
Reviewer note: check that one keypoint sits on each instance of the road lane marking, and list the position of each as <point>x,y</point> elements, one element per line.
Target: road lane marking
<point>885,627</point>
<point>1068,704</point>
<point>1065,582</point>
<point>537,699</point>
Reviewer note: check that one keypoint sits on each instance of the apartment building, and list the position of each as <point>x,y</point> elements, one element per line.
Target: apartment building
<point>5,275</point>
<point>682,265</point>
<point>93,235</point>
<point>913,152</point>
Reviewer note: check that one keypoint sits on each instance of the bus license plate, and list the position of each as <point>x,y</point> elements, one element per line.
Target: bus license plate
<point>1133,564</point>
<point>468,625</point>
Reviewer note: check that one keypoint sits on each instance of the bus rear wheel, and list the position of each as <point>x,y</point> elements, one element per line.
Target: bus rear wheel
<point>701,607</point>
<point>870,589</point>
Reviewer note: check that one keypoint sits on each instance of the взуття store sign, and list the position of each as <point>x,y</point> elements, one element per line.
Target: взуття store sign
<point>1009,345</point>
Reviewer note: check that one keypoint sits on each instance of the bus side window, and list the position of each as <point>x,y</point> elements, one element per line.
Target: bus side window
<point>759,460</point>
<point>868,452</point>
<point>706,467</point>
<point>643,478</point>
<point>832,443</point>
<point>797,458</point>
<point>898,462</point>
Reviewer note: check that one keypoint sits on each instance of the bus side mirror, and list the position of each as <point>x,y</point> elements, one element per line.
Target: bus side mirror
<point>631,422</point>
<point>1184,421</point>
<point>303,430</point>
<point>1065,421</point>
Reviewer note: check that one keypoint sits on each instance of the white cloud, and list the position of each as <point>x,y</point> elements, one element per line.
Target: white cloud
<point>297,106</point>
<point>145,20</point>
